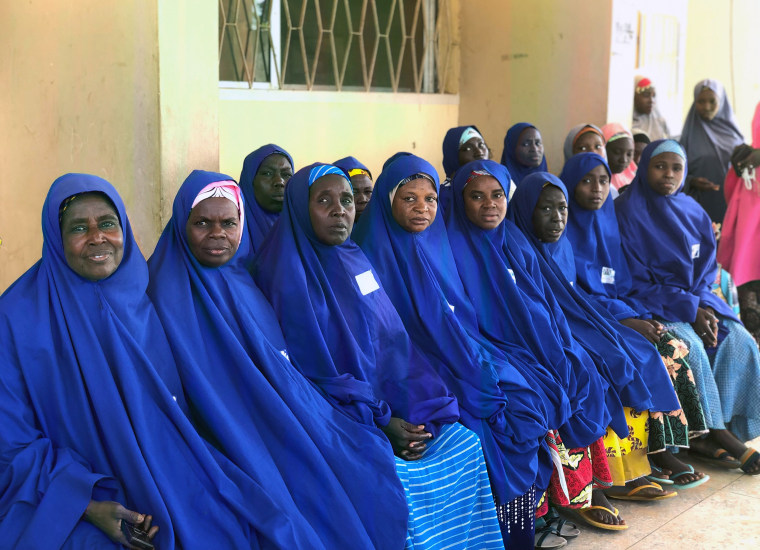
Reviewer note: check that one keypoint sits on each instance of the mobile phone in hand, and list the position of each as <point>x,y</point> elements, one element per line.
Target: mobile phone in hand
<point>136,537</point>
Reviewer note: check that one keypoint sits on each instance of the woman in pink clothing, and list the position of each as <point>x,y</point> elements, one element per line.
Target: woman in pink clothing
<point>620,149</point>
<point>738,251</point>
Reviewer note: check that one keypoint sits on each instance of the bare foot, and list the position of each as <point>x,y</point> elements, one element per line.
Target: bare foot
<point>667,461</point>
<point>607,517</point>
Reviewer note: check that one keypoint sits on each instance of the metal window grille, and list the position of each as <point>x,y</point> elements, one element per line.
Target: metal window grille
<point>341,45</point>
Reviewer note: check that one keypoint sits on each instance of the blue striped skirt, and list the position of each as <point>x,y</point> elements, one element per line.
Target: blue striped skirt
<point>449,495</point>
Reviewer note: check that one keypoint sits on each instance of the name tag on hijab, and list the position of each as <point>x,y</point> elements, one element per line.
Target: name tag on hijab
<point>608,276</point>
<point>512,274</point>
<point>695,251</point>
<point>366,282</point>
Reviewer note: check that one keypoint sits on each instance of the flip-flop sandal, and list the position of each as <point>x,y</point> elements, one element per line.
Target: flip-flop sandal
<point>748,460</point>
<point>582,514</point>
<point>548,540</point>
<point>691,484</point>
<point>719,458</point>
<point>633,494</point>
<point>660,480</point>
<point>562,527</point>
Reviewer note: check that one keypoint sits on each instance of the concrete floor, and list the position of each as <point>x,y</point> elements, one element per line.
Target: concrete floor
<point>722,513</point>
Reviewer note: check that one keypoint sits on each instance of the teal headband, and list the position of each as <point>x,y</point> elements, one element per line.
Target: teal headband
<point>669,146</point>
<point>325,169</point>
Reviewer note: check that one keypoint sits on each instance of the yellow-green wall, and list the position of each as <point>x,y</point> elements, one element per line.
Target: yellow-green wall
<point>711,36</point>
<point>544,62</point>
<point>325,126</point>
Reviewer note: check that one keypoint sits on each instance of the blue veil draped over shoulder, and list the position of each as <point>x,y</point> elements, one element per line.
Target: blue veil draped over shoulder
<point>516,169</point>
<point>341,329</point>
<point>499,270</point>
<point>91,408</point>
<point>245,395</point>
<point>499,402</point>
<point>628,361</point>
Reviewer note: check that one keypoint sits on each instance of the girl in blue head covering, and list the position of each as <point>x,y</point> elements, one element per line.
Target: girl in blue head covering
<point>361,181</point>
<point>94,426</point>
<point>243,391</point>
<point>509,407</point>
<point>602,272</point>
<point>461,145</point>
<point>668,241</point>
<point>523,151</point>
<point>627,361</point>
<point>344,334</point>
<point>265,173</point>
<point>501,276</point>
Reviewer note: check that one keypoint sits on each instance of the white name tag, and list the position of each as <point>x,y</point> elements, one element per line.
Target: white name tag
<point>366,282</point>
<point>608,276</point>
<point>512,274</point>
<point>452,307</point>
<point>695,251</point>
<point>284,353</point>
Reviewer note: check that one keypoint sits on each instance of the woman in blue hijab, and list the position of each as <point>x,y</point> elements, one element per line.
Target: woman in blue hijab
<point>243,391</point>
<point>361,181</point>
<point>344,334</point>
<point>602,272</point>
<point>668,241</point>
<point>509,407</point>
<point>501,276</point>
<point>461,145</point>
<point>94,427</point>
<point>523,151</point>
<point>265,173</point>
<point>631,364</point>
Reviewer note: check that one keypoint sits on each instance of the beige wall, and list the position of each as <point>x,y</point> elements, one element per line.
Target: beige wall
<point>544,62</point>
<point>79,93</point>
<point>709,43</point>
<point>325,126</point>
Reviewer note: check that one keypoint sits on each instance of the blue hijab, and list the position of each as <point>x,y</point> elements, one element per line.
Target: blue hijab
<point>516,169</point>
<point>451,162</point>
<point>245,393</point>
<point>496,400</point>
<point>670,247</point>
<point>92,408</point>
<point>601,268</point>
<point>627,360</point>
<point>341,329</point>
<point>351,163</point>
<point>499,270</point>
<point>257,220</point>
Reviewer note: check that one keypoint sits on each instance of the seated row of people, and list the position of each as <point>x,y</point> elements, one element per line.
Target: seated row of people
<point>248,375</point>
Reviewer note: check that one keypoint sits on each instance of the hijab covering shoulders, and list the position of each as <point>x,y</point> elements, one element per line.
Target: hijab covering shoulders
<point>516,169</point>
<point>91,407</point>
<point>670,247</point>
<point>652,124</point>
<point>600,266</point>
<point>738,251</point>
<point>340,326</point>
<point>259,221</point>
<point>496,400</point>
<point>499,273</point>
<point>451,143</point>
<point>708,146</point>
<point>244,392</point>
<point>628,361</point>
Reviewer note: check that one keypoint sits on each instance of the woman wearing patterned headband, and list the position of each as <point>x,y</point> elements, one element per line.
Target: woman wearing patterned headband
<point>344,334</point>
<point>710,134</point>
<point>361,181</point>
<point>669,244</point>
<point>619,150</point>
<point>245,394</point>
<point>646,116</point>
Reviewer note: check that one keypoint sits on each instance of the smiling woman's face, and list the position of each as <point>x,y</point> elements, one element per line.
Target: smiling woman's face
<point>414,205</point>
<point>331,209</point>
<point>93,242</point>
<point>550,214</point>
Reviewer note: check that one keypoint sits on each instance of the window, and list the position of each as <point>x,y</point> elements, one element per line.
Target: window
<point>342,45</point>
